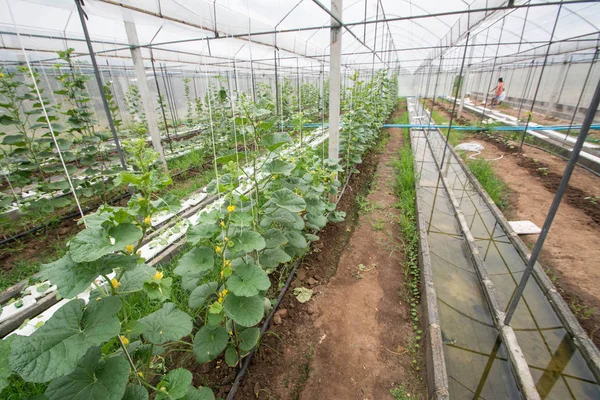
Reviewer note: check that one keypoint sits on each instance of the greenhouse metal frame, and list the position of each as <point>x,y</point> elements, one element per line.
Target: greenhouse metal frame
<point>220,136</point>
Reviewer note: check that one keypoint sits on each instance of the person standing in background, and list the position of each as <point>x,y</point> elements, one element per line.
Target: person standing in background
<point>498,93</point>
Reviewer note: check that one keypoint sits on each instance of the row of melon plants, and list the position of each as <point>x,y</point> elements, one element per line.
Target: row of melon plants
<point>101,349</point>
<point>34,180</point>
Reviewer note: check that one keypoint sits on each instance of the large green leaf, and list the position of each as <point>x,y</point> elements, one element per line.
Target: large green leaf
<point>248,339</point>
<point>271,258</point>
<point>72,278</point>
<point>14,140</point>
<point>280,215</point>
<point>296,239</point>
<point>202,293</point>
<point>167,324</point>
<point>196,263</point>
<point>248,241</point>
<point>241,219</point>
<point>315,205</point>
<point>275,140</point>
<point>246,311</point>
<point>53,350</point>
<point>135,392</point>
<point>125,234</point>
<point>89,245</point>
<point>197,233</point>
<point>209,342</point>
<point>274,238</point>
<point>175,385</point>
<point>202,393</point>
<point>93,378</point>
<point>5,371</point>
<point>134,279</point>
<point>158,289</point>
<point>317,220</point>
<point>279,167</point>
<point>288,200</point>
<point>231,355</point>
<point>248,280</point>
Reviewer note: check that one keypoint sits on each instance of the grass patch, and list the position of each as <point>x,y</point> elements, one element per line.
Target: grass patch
<point>406,193</point>
<point>493,185</point>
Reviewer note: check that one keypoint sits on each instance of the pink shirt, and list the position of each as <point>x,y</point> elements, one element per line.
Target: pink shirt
<point>499,88</point>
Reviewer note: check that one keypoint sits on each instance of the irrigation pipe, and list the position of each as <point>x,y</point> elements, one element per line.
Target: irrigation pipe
<point>240,376</point>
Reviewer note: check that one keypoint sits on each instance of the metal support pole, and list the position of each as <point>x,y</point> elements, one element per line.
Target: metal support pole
<point>167,98</point>
<point>462,66</point>
<point>140,72</point>
<point>435,91</point>
<point>492,73</point>
<point>162,107</point>
<point>111,123</point>
<point>277,110</point>
<point>465,79</point>
<point>537,89</point>
<point>587,77</point>
<point>562,76</point>
<point>335,63</point>
<point>525,88</point>
<point>589,118</point>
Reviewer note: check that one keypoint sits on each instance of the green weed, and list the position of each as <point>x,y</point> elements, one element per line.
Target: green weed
<point>493,185</point>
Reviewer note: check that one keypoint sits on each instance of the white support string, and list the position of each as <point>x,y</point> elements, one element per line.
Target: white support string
<point>212,130</point>
<point>46,115</point>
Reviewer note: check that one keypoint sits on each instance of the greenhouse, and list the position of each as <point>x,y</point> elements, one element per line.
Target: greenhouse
<point>299,199</point>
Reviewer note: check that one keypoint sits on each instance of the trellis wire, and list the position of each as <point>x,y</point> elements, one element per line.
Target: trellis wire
<point>46,116</point>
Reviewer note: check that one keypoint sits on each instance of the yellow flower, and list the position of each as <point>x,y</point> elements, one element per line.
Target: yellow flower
<point>140,374</point>
<point>293,159</point>
<point>230,333</point>
<point>129,248</point>
<point>218,249</point>
<point>221,274</point>
<point>222,224</point>
<point>227,263</point>
<point>147,220</point>
<point>158,275</point>
<point>231,208</point>
<point>140,199</point>
<point>222,295</point>
<point>115,283</point>
<point>124,340</point>
<point>1,75</point>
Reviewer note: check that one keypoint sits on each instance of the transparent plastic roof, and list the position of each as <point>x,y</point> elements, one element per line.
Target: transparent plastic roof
<point>211,35</point>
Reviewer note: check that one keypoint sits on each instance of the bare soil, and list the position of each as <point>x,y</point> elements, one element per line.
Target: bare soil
<point>571,252</point>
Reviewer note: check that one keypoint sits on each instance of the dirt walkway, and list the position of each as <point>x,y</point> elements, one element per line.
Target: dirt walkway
<point>364,322</point>
<point>571,250</point>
